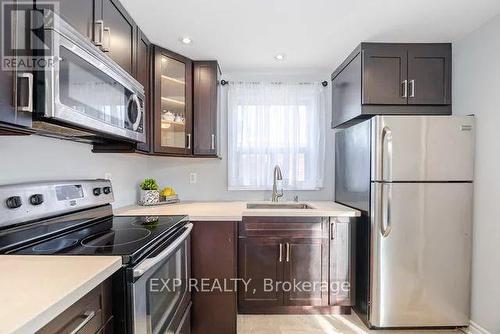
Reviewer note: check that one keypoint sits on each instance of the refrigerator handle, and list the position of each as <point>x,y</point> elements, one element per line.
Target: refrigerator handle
<point>385,224</point>
<point>386,158</point>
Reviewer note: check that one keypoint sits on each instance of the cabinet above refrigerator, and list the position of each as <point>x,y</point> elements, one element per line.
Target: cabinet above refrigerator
<point>392,79</point>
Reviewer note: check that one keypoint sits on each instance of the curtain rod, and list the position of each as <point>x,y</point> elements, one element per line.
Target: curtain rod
<point>225,82</point>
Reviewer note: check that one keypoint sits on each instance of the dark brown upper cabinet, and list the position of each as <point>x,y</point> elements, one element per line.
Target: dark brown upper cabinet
<point>80,14</point>
<point>205,82</point>
<point>15,105</point>
<point>107,24</point>
<point>392,79</point>
<point>143,75</point>
<point>429,74</point>
<point>384,71</point>
<point>117,32</point>
<point>173,96</point>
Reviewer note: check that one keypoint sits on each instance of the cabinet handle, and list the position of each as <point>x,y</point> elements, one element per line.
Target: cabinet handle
<point>108,44</point>
<point>412,82</point>
<point>188,141</point>
<point>99,24</point>
<point>29,106</point>
<point>405,88</point>
<point>87,317</point>
<point>213,142</point>
<point>287,252</point>
<point>281,252</point>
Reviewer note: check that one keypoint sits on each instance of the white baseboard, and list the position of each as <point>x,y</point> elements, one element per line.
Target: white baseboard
<point>475,329</point>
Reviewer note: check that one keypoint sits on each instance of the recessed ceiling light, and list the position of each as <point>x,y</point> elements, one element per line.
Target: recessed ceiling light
<point>186,40</point>
<point>280,57</point>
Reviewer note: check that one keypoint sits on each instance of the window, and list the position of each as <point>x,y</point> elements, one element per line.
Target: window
<point>276,124</point>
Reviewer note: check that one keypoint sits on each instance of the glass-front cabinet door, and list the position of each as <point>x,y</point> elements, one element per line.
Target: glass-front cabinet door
<point>173,107</point>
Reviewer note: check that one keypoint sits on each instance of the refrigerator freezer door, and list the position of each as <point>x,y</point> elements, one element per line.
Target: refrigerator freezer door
<point>421,254</point>
<point>422,148</point>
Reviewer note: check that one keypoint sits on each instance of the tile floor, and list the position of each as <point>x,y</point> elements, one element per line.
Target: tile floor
<point>315,324</point>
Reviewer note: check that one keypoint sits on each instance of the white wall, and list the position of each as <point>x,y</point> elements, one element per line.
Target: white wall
<point>35,158</point>
<point>212,173</point>
<point>476,90</point>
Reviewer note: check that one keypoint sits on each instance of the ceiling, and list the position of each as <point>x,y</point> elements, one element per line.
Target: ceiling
<point>315,35</point>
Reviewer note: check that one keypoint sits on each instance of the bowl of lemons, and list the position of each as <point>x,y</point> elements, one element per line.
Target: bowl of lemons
<point>168,195</point>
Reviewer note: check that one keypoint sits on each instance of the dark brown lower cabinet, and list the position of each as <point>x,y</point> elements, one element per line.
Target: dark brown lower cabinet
<point>214,257</point>
<point>92,313</point>
<point>342,261</point>
<point>260,262</point>
<point>307,261</point>
<point>286,262</point>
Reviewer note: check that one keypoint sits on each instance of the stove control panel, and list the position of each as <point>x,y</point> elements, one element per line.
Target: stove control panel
<point>26,202</point>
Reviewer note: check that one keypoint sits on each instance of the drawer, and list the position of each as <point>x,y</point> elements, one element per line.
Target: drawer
<point>90,313</point>
<point>298,227</point>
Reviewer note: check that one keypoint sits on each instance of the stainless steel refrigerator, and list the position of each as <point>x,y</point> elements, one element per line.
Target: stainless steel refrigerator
<point>411,176</point>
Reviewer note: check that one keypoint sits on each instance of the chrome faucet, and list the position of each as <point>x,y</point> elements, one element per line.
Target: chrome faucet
<point>277,176</point>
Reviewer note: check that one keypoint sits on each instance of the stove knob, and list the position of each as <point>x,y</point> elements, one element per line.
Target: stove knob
<point>106,190</point>
<point>36,199</point>
<point>96,191</point>
<point>14,202</point>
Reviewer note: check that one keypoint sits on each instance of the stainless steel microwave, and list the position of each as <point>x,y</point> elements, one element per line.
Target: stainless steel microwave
<point>84,94</point>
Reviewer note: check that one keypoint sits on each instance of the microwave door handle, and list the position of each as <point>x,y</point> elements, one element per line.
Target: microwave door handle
<point>147,264</point>
<point>135,99</point>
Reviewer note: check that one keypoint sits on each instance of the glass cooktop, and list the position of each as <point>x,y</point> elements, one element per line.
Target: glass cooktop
<point>129,237</point>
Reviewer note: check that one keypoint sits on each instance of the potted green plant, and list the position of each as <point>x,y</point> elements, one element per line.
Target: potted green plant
<point>150,194</point>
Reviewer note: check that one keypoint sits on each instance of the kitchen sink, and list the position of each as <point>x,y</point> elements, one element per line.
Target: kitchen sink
<point>271,205</point>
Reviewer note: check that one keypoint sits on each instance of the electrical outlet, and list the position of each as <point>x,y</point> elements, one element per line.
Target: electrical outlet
<point>193,178</point>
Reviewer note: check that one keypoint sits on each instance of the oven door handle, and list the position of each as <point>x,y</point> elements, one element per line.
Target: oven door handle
<point>149,263</point>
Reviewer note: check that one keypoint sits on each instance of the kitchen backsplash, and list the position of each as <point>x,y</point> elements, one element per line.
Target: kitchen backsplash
<point>35,158</point>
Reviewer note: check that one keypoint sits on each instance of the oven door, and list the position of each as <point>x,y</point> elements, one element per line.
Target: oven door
<point>86,89</point>
<point>160,294</point>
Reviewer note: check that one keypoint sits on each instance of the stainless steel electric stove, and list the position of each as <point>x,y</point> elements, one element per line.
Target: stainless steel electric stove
<point>76,218</point>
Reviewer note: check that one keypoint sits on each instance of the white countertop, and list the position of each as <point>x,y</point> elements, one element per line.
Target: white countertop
<point>234,211</point>
<point>36,289</point>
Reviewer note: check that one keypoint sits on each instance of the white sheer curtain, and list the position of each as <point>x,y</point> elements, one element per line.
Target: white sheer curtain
<point>276,124</point>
